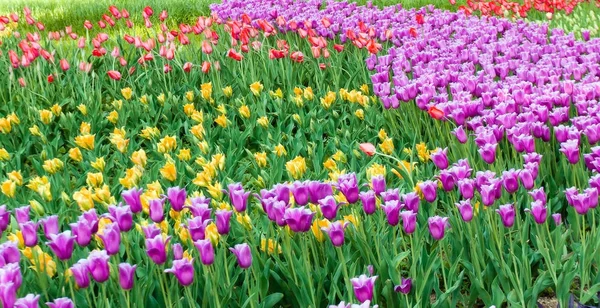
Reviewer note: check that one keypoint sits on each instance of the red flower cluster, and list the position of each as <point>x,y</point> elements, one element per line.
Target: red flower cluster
<point>519,7</point>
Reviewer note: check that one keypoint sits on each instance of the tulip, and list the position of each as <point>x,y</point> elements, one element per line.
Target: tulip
<point>369,201</point>
<point>527,178</point>
<point>243,255</point>
<point>298,219</point>
<point>207,251</point>
<point>282,192</point>
<point>488,152</point>
<point>378,184</point>
<point>97,264</point>
<point>123,216</point>
<point>363,287</point>
<point>437,226</point>
<point>465,209</point>
<point>22,214</point>
<point>8,294</point>
<point>409,221</point>
<point>9,252</point>
<point>62,302</point>
<point>538,211</point>
<point>391,194</point>
<point>132,198</point>
<point>300,192</point>
<point>50,225</point>
<point>571,150</point>
<point>81,274</point>
<point>114,75</point>
<point>156,210</point>
<point>200,207</point>
<point>197,227</point>
<point>392,211</point>
<point>62,245</point>
<point>436,113</point>
<point>460,134</point>
<point>4,218</point>
<point>183,269</point>
<point>29,232</point>
<point>111,238</point>
<point>336,233</point>
<point>150,231</point>
<point>329,207</point>
<point>368,148</point>
<point>447,179</point>
<point>223,219</point>
<point>348,185</point>
<point>82,232</point>
<point>11,272</point>
<point>510,180</point>
<point>238,197</point>
<point>411,201</point>
<point>318,190</point>
<point>557,218</point>
<point>177,251</point>
<point>64,65</point>
<point>126,275</point>
<point>429,190</point>
<point>156,249</point>
<point>507,214</point>
<point>440,158</point>
<point>466,188</point>
<point>29,301</point>
<point>176,197</point>
<point>404,286</point>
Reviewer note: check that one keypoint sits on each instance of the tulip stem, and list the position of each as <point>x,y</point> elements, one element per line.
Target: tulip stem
<point>188,294</point>
<point>346,276</point>
<point>105,294</point>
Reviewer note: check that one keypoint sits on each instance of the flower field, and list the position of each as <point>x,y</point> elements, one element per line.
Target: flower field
<point>299,154</point>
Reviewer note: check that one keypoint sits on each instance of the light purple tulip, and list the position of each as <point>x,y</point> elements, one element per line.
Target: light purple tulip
<point>207,251</point>
<point>348,185</point>
<point>243,254</point>
<point>223,218</point>
<point>392,211</point>
<point>369,201</point>
<point>429,189</point>
<point>538,212</point>
<point>29,301</point>
<point>81,273</point>
<point>411,201</point>
<point>176,196</point>
<point>29,232</point>
<point>378,184</point>
<point>97,263</point>
<point>507,214</point>
<point>156,249</point>
<point>318,190</point>
<point>404,286</point>
<point>183,269</point>
<point>299,219</point>
<point>123,216</point>
<point>440,158</point>
<point>197,227</point>
<point>62,245</point>
<point>157,210</point>
<point>465,209</point>
<point>409,221</point>
<point>438,226</point>
<point>132,198</point>
<point>111,238</point>
<point>177,251</point>
<point>22,214</point>
<point>50,225</point>
<point>62,302</point>
<point>126,275</point>
<point>238,197</point>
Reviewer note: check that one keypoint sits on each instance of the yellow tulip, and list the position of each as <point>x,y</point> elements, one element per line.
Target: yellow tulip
<point>4,155</point>
<point>261,159</point>
<point>256,88</point>
<point>75,154</point>
<point>169,171</point>
<point>227,91</point>
<point>127,93</point>
<point>85,141</point>
<point>244,111</point>
<point>16,177</point>
<point>9,188</point>
<point>99,164</point>
<point>46,116</point>
<point>221,120</point>
<point>5,126</point>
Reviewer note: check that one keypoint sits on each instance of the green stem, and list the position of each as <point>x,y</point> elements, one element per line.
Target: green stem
<point>346,276</point>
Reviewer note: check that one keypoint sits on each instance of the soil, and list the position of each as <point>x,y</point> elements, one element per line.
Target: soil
<point>548,302</point>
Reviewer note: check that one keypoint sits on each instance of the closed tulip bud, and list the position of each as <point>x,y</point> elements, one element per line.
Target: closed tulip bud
<point>298,219</point>
<point>466,188</point>
<point>10,252</point>
<point>465,209</point>
<point>510,180</point>
<point>526,177</point>
<point>392,211</point>
<point>317,190</point>
<point>4,218</point>
<point>197,227</point>
<point>238,197</point>
<point>123,216</point>
<point>97,263</point>
<point>329,207</point>
<point>557,217</point>
<point>507,214</point>
<point>156,249</point>
<point>335,231</point>
<point>300,192</point>
<point>440,158</point>
<point>368,148</point>
<point>538,212</point>
<point>114,75</point>
<point>132,198</point>
<point>156,210</point>
<point>571,150</point>
<point>81,274</point>
<point>363,287</point>
<point>82,231</point>
<point>207,252</point>
<point>29,232</point>
<point>22,214</point>
<point>111,238</point>
<point>183,269</point>
<point>404,286</point>
<point>243,255</point>
<point>64,65</point>
<point>348,185</point>
<point>223,219</point>
<point>369,201</point>
<point>429,189</point>
<point>488,152</point>
<point>62,245</point>
<point>378,184</point>
<point>126,275</point>
<point>409,221</point>
<point>437,226</point>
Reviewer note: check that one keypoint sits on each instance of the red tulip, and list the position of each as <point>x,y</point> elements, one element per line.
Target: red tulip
<point>114,11</point>
<point>40,26</point>
<point>163,15</point>
<point>297,56</point>
<point>167,68</point>
<point>88,25</point>
<point>64,65</point>
<point>436,113</point>
<point>276,54</point>
<point>22,82</point>
<point>148,12</point>
<point>14,17</point>
<point>338,48</point>
<point>124,13</point>
<point>50,78</point>
<point>368,148</point>
<point>205,67</point>
<point>114,75</point>
<point>122,61</point>
<point>235,55</point>
<point>413,32</point>
<point>187,67</point>
<point>420,19</point>
<point>101,24</point>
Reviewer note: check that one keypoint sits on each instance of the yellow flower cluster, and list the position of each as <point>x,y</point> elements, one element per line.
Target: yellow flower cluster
<point>296,167</point>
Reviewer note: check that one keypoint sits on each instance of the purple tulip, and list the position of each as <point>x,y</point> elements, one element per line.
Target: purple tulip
<point>411,201</point>
<point>378,184</point>
<point>488,152</point>
<point>126,275</point>
<point>197,227</point>
<point>447,179</point>
<point>488,195</point>
<point>404,286</point>
<point>532,158</point>
<point>363,287</point>
<point>391,194</point>
<point>510,180</point>
<point>97,263</point>
<point>298,219</point>
<point>329,207</point>
<point>62,245</point>
<point>200,207</point>
<point>29,232</point>
<point>81,273</point>
<point>4,218</point>
<point>466,187</point>
<point>460,134</point>
<point>238,197</point>
<point>91,218</point>
<point>336,233</point>
<point>318,190</point>
<point>151,231</point>
<point>62,302</point>
<point>8,294</point>
<point>300,192</point>
<point>176,197</point>
<point>22,214</point>
<point>557,218</point>
<point>132,198</point>
<point>538,211</point>
<point>123,216</point>
<point>348,185</point>
<point>156,210</point>
<point>538,195</point>
<point>10,252</point>
<point>177,251</point>
<point>111,238</point>
<point>50,225</point>
<point>465,209</point>
<point>207,251</point>
<point>392,211</point>
<point>527,179</point>
<point>409,221</point>
<point>156,249</point>
<point>437,226</point>
<point>440,158</point>
<point>243,254</point>
<point>429,189</point>
<point>29,301</point>
<point>183,269</point>
<point>282,192</point>
<point>571,150</point>
<point>223,219</point>
<point>507,214</point>
<point>369,201</point>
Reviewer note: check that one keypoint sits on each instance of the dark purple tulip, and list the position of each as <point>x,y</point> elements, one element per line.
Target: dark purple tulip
<point>363,287</point>
<point>243,255</point>
<point>348,185</point>
<point>585,34</point>
<point>369,201</point>
<point>50,225</point>
<point>557,219</point>
<point>4,218</point>
<point>223,219</point>
<point>200,207</point>
<point>82,232</point>
<point>300,192</point>
<point>465,209</point>
<point>97,263</point>
<point>404,286</point>
<point>29,301</point>
<point>318,190</point>
<point>409,221</point>
<point>29,232</point>
<point>197,227</point>
<point>126,275</point>
<point>156,249</point>
<point>11,272</point>
<point>207,251</point>
<point>132,198</point>
<point>488,152</point>
<point>81,274</point>
<point>429,189</point>
<point>176,197</point>
<point>507,214</point>
<point>378,184</point>
<point>538,212</point>
<point>460,134</point>
<point>177,251</point>
<point>510,180</point>
<point>10,252</point>
<point>391,194</point>
<point>22,214</point>
<point>282,192</point>
<point>8,294</point>
<point>156,209</point>
<point>447,179</point>
<point>392,211</point>
<point>299,219</point>
<point>336,233</point>
<point>151,231</point>
<point>62,302</point>
<point>329,207</point>
<point>440,158</point>
<point>123,216</point>
<point>466,187</point>
<point>411,201</point>
<point>238,197</point>
<point>437,226</point>
<point>571,150</point>
<point>111,238</point>
<point>62,245</point>
<point>91,218</point>
<point>183,269</point>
